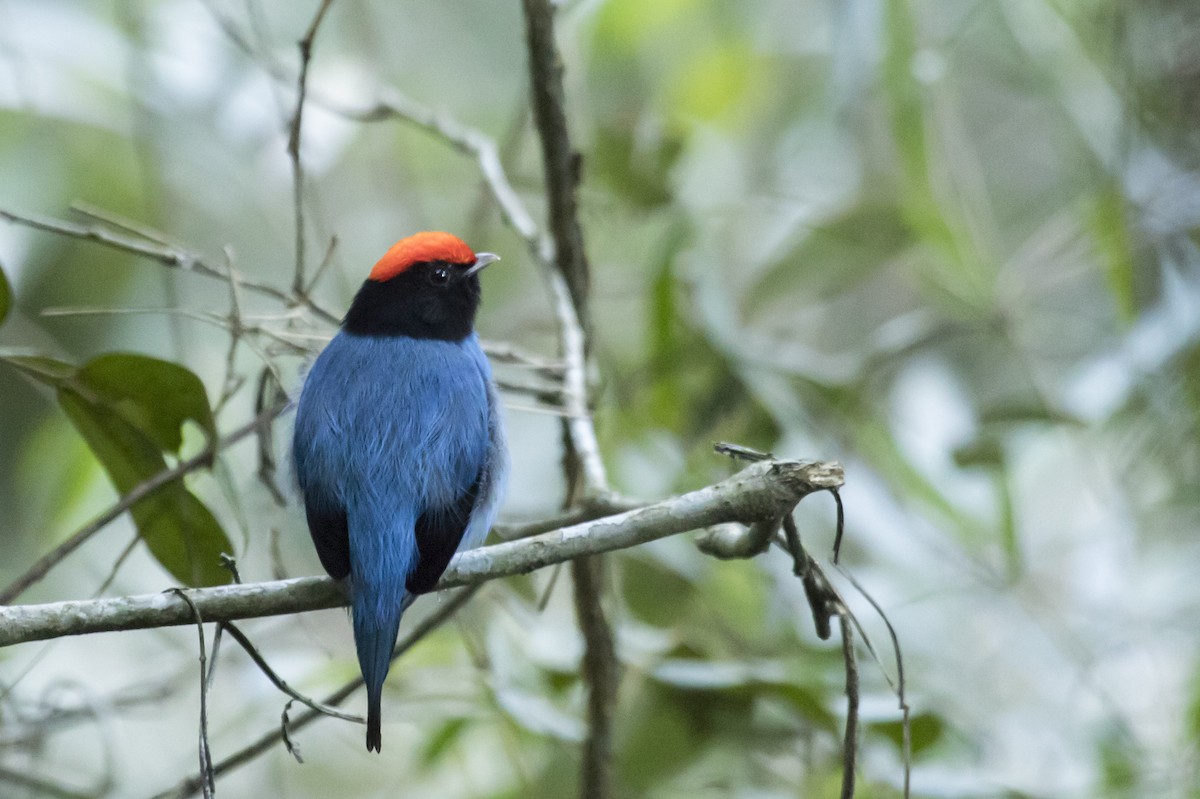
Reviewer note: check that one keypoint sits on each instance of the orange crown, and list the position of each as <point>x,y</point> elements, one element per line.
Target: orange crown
<point>431,245</point>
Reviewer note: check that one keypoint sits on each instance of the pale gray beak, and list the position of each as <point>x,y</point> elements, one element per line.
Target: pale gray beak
<point>482,259</point>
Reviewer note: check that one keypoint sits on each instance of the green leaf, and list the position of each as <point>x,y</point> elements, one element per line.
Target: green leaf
<point>5,296</point>
<point>50,371</point>
<point>659,739</point>
<point>179,530</point>
<point>986,451</point>
<point>926,730</point>
<point>442,741</point>
<point>834,257</point>
<point>157,397</point>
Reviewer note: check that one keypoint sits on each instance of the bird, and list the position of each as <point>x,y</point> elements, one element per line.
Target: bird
<point>398,446</point>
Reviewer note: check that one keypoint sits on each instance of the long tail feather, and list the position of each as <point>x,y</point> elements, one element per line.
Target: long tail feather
<point>375,639</point>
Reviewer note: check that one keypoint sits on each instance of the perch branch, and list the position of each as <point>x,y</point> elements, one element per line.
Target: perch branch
<point>761,490</point>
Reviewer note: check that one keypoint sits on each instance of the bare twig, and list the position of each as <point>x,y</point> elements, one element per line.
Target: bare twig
<point>113,219</point>
<point>166,255</point>
<point>293,147</point>
<point>560,161</point>
<point>850,742</point>
<point>135,495</point>
<point>899,685</point>
<point>761,489</point>
<point>278,681</point>
<point>319,272</point>
<point>581,433</point>
<point>232,381</point>
<point>41,786</point>
<point>600,672</point>
<point>740,451</point>
<point>445,610</point>
<point>269,394</point>
<point>585,472</point>
<point>206,765</point>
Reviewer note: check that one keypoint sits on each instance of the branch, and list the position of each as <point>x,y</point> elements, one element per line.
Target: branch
<point>204,751</point>
<point>293,146</point>
<point>850,741</point>
<point>763,490</point>
<point>600,674</point>
<point>167,255</point>
<point>585,472</point>
<point>559,159</point>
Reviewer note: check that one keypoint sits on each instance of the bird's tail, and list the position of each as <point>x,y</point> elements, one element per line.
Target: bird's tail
<point>375,637</point>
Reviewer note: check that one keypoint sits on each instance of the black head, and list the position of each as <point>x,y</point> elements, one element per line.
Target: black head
<point>425,286</point>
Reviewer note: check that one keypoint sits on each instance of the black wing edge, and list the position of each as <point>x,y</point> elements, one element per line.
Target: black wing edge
<point>330,534</point>
<point>439,531</point>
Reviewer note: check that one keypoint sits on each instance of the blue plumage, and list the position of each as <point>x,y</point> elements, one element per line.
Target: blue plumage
<point>400,456</point>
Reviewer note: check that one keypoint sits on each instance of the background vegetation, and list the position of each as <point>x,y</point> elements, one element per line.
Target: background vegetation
<point>951,244</point>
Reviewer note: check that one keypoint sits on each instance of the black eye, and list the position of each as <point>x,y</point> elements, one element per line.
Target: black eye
<point>439,276</point>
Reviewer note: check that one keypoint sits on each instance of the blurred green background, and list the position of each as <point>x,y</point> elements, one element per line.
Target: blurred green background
<point>950,243</point>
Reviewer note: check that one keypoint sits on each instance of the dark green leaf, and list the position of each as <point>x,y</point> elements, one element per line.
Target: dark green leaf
<point>834,257</point>
<point>985,451</point>
<point>653,593</point>
<point>157,397</point>
<point>926,730</point>
<point>1016,413</point>
<point>638,174</point>
<point>179,530</point>
<point>49,371</point>
<point>809,704</point>
<point>660,740</point>
<point>442,741</point>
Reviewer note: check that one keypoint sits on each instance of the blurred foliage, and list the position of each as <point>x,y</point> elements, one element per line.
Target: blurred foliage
<point>955,246</point>
<point>5,296</point>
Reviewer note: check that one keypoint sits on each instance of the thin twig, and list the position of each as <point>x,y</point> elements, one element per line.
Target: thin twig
<point>232,381</point>
<point>269,394</point>
<point>113,219</point>
<point>117,564</point>
<point>600,672</point>
<point>293,146</point>
<point>169,256</point>
<point>278,681</point>
<point>206,766</point>
<point>561,163</point>
<point>41,786</point>
<point>135,495</point>
<point>581,432</point>
<point>899,686</point>
<point>850,741</point>
<point>319,272</point>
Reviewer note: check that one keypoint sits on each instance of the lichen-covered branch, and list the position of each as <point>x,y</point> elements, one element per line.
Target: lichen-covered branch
<point>763,490</point>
